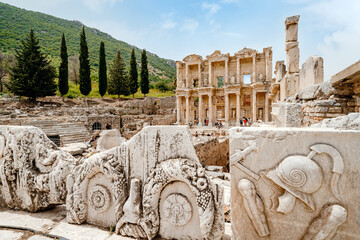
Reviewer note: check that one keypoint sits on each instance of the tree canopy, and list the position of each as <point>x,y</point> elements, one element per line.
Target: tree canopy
<point>63,69</point>
<point>84,71</point>
<point>102,70</point>
<point>144,74</point>
<point>119,80</point>
<point>32,75</point>
<point>133,74</point>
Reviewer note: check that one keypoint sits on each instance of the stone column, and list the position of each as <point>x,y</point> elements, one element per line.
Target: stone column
<point>238,70</point>
<point>178,110</point>
<point>187,110</point>
<point>268,63</point>
<point>201,119</point>
<point>226,80</point>
<point>253,69</point>
<point>187,75</point>
<point>254,108</point>
<point>238,108</point>
<point>210,110</point>
<point>292,54</point>
<point>210,75</point>
<point>227,106</point>
<point>178,75</point>
<point>199,72</point>
<point>266,106</point>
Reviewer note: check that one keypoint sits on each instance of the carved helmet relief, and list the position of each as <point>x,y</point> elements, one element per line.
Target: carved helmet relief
<point>300,177</point>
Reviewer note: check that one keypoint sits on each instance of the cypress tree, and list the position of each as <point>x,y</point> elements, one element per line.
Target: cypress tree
<point>102,70</point>
<point>133,74</point>
<point>119,79</point>
<point>84,70</point>
<point>144,74</point>
<point>63,69</point>
<point>32,76</point>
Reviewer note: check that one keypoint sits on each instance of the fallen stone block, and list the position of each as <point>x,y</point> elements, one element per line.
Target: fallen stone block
<point>33,169</point>
<point>153,184</point>
<point>109,139</point>
<point>213,168</point>
<point>215,174</point>
<point>74,148</point>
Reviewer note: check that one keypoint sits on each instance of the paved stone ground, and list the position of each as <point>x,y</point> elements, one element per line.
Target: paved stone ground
<point>52,224</point>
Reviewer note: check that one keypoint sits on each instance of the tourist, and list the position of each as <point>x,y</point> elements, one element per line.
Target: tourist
<point>86,142</point>
<point>196,134</point>
<point>241,122</point>
<point>91,141</point>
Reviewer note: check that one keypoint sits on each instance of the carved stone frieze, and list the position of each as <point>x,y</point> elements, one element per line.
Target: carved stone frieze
<point>33,170</point>
<point>298,183</point>
<point>151,184</point>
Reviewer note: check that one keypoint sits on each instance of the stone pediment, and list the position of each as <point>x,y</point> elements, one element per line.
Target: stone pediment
<point>246,52</point>
<point>192,57</point>
<point>217,54</point>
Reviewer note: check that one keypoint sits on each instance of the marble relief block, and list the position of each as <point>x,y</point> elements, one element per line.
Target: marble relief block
<point>33,170</point>
<point>289,183</point>
<point>152,184</point>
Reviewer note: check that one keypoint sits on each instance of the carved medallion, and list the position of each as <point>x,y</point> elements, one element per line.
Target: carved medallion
<point>177,209</point>
<point>99,198</point>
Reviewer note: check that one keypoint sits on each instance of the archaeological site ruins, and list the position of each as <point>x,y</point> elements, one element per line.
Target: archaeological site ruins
<point>236,154</point>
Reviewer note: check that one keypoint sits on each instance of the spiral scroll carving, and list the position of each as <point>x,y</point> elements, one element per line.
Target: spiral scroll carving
<point>295,178</point>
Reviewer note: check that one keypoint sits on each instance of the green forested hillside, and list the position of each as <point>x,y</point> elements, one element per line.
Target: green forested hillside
<point>15,25</point>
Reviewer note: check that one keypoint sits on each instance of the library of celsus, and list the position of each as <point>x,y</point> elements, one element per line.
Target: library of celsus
<point>224,88</point>
<point>229,88</point>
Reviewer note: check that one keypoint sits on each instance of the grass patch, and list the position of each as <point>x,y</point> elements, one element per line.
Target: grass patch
<point>74,92</point>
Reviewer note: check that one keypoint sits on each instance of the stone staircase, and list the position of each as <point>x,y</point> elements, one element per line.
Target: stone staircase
<point>67,132</point>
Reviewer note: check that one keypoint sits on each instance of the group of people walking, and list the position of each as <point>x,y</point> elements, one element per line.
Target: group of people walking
<point>243,122</point>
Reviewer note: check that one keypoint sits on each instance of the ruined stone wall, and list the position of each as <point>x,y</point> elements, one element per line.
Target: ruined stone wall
<point>129,116</point>
<point>317,110</point>
<point>213,152</point>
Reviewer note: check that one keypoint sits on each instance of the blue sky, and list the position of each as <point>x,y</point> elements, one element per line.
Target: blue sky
<point>176,28</point>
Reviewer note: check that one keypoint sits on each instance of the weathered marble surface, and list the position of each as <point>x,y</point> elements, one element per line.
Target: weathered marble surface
<point>152,184</point>
<point>294,183</point>
<point>287,114</point>
<point>312,72</point>
<point>33,170</point>
<point>109,139</point>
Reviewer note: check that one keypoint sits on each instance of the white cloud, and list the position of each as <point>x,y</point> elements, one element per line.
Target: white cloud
<point>168,24</point>
<point>230,1</point>
<point>190,25</point>
<point>341,20</point>
<point>98,5</point>
<point>210,8</point>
